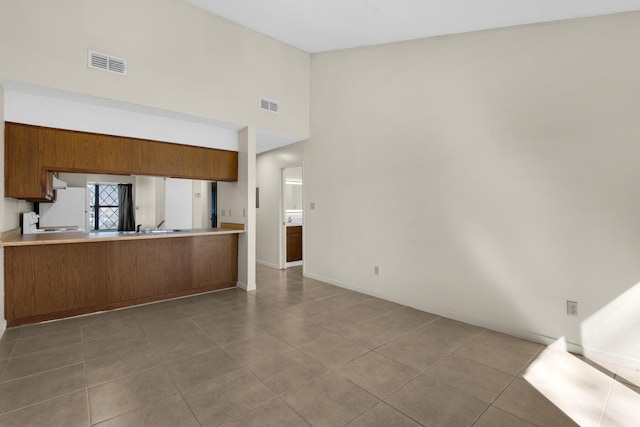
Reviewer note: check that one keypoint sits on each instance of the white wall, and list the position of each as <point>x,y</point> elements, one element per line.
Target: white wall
<point>180,59</point>
<point>491,176</point>
<point>178,203</point>
<point>269,167</point>
<point>145,201</point>
<point>59,109</point>
<point>10,210</point>
<point>201,199</point>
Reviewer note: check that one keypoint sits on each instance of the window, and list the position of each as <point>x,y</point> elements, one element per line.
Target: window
<point>103,204</point>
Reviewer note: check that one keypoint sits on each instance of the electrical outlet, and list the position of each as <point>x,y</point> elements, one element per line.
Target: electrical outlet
<point>223,212</point>
<point>572,308</point>
<point>376,270</point>
<point>244,212</point>
<point>312,205</point>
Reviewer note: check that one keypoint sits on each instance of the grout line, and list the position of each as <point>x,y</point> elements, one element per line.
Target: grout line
<point>86,391</point>
<point>606,402</point>
<point>2,414</point>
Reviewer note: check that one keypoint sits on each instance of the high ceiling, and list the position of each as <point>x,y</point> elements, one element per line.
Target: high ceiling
<point>323,25</point>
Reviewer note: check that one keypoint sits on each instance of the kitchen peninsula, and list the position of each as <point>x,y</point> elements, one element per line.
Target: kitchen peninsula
<point>58,275</point>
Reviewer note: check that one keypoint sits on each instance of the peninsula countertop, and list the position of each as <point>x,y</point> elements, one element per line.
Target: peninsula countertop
<point>16,238</point>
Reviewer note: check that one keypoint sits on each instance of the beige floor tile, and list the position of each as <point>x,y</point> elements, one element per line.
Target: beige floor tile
<point>436,404</point>
<point>108,328</point>
<point>480,381</point>
<point>169,412</point>
<point>227,397</point>
<point>6,348</point>
<point>348,316</point>
<point>525,402</point>
<point>376,332</point>
<point>377,374</point>
<point>53,327</point>
<point>494,417</point>
<point>310,309</point>
<point>333,350</point>
<point>274,413</point>
<point>628,376</point>
<point>125,394</point>
<point>120,364</point>
<point>298,332</point>
<point>383,415</point>
<point>329,400</point>
<point>502,352</point>
<point>45,342</point>
<point>284,372</point>
<point>37,388</point>
<point>43,361</point>
<point>381,303</point>
<point>622,409</point>
<point>606,368</point>
<point>11,334</point>
<point>257,348</point>
<point>424,346</point>
<point>108,345</point>
<point>273,319</point>
<point>177,340</point>
<point>227,333</point>
<point>70,410</point>
<point>226,317</point>
<point>341,300</point>
<point>197,371</point>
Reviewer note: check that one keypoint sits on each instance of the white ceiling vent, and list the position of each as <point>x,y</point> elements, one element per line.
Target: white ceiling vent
<point>269,105</point>
<point>104,62</point>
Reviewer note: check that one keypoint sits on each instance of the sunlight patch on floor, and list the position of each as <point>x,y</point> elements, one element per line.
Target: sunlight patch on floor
<point>588,396</point>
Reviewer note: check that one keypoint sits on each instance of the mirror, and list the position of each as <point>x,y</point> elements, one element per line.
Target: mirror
<point>180,203</point>
<point>293,189</point>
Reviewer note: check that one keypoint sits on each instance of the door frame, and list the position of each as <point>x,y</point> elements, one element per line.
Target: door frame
<point>282,246</point>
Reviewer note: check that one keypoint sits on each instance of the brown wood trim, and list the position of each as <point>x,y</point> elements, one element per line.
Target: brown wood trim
<point>72,279</point>
<point>112,306</point>
<point>30,149</point>
<point>232,225</point>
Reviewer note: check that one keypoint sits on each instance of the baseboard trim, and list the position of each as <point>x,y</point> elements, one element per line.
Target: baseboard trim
<point>246,287</point>
<point>268,264</point>
<point>294,264</point>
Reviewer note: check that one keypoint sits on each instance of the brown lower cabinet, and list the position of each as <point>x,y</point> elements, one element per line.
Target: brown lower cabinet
<point>294,243</point>
<point>44,282</point>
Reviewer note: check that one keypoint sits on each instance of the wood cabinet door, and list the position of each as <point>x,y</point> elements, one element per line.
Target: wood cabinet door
<point>294,244</point>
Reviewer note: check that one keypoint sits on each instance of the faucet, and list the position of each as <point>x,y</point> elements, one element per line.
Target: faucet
<point>290,219</point>
<point>138,228</point>
<point>160,225</point>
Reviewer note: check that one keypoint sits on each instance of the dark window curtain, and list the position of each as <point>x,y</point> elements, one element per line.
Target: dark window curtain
<point>126,221</point>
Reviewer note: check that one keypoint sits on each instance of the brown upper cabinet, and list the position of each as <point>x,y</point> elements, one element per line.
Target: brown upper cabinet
<point>32,153</point>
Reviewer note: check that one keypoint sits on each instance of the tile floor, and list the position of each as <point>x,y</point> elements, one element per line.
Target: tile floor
<point>295,352</point>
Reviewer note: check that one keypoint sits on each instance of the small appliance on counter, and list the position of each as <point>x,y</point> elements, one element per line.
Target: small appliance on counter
<point>30,225</point>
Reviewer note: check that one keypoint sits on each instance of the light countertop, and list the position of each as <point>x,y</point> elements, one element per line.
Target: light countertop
<point>16,238</point>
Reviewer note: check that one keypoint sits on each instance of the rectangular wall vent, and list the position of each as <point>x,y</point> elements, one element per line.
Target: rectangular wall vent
<point>104,62</point>
<point>269,105</point>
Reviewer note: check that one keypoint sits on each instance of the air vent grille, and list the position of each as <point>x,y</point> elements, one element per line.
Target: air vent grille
<point>104,62</point>
<point>269,105</point>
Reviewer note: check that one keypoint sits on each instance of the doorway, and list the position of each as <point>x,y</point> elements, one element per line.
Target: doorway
<point>292,218</point>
